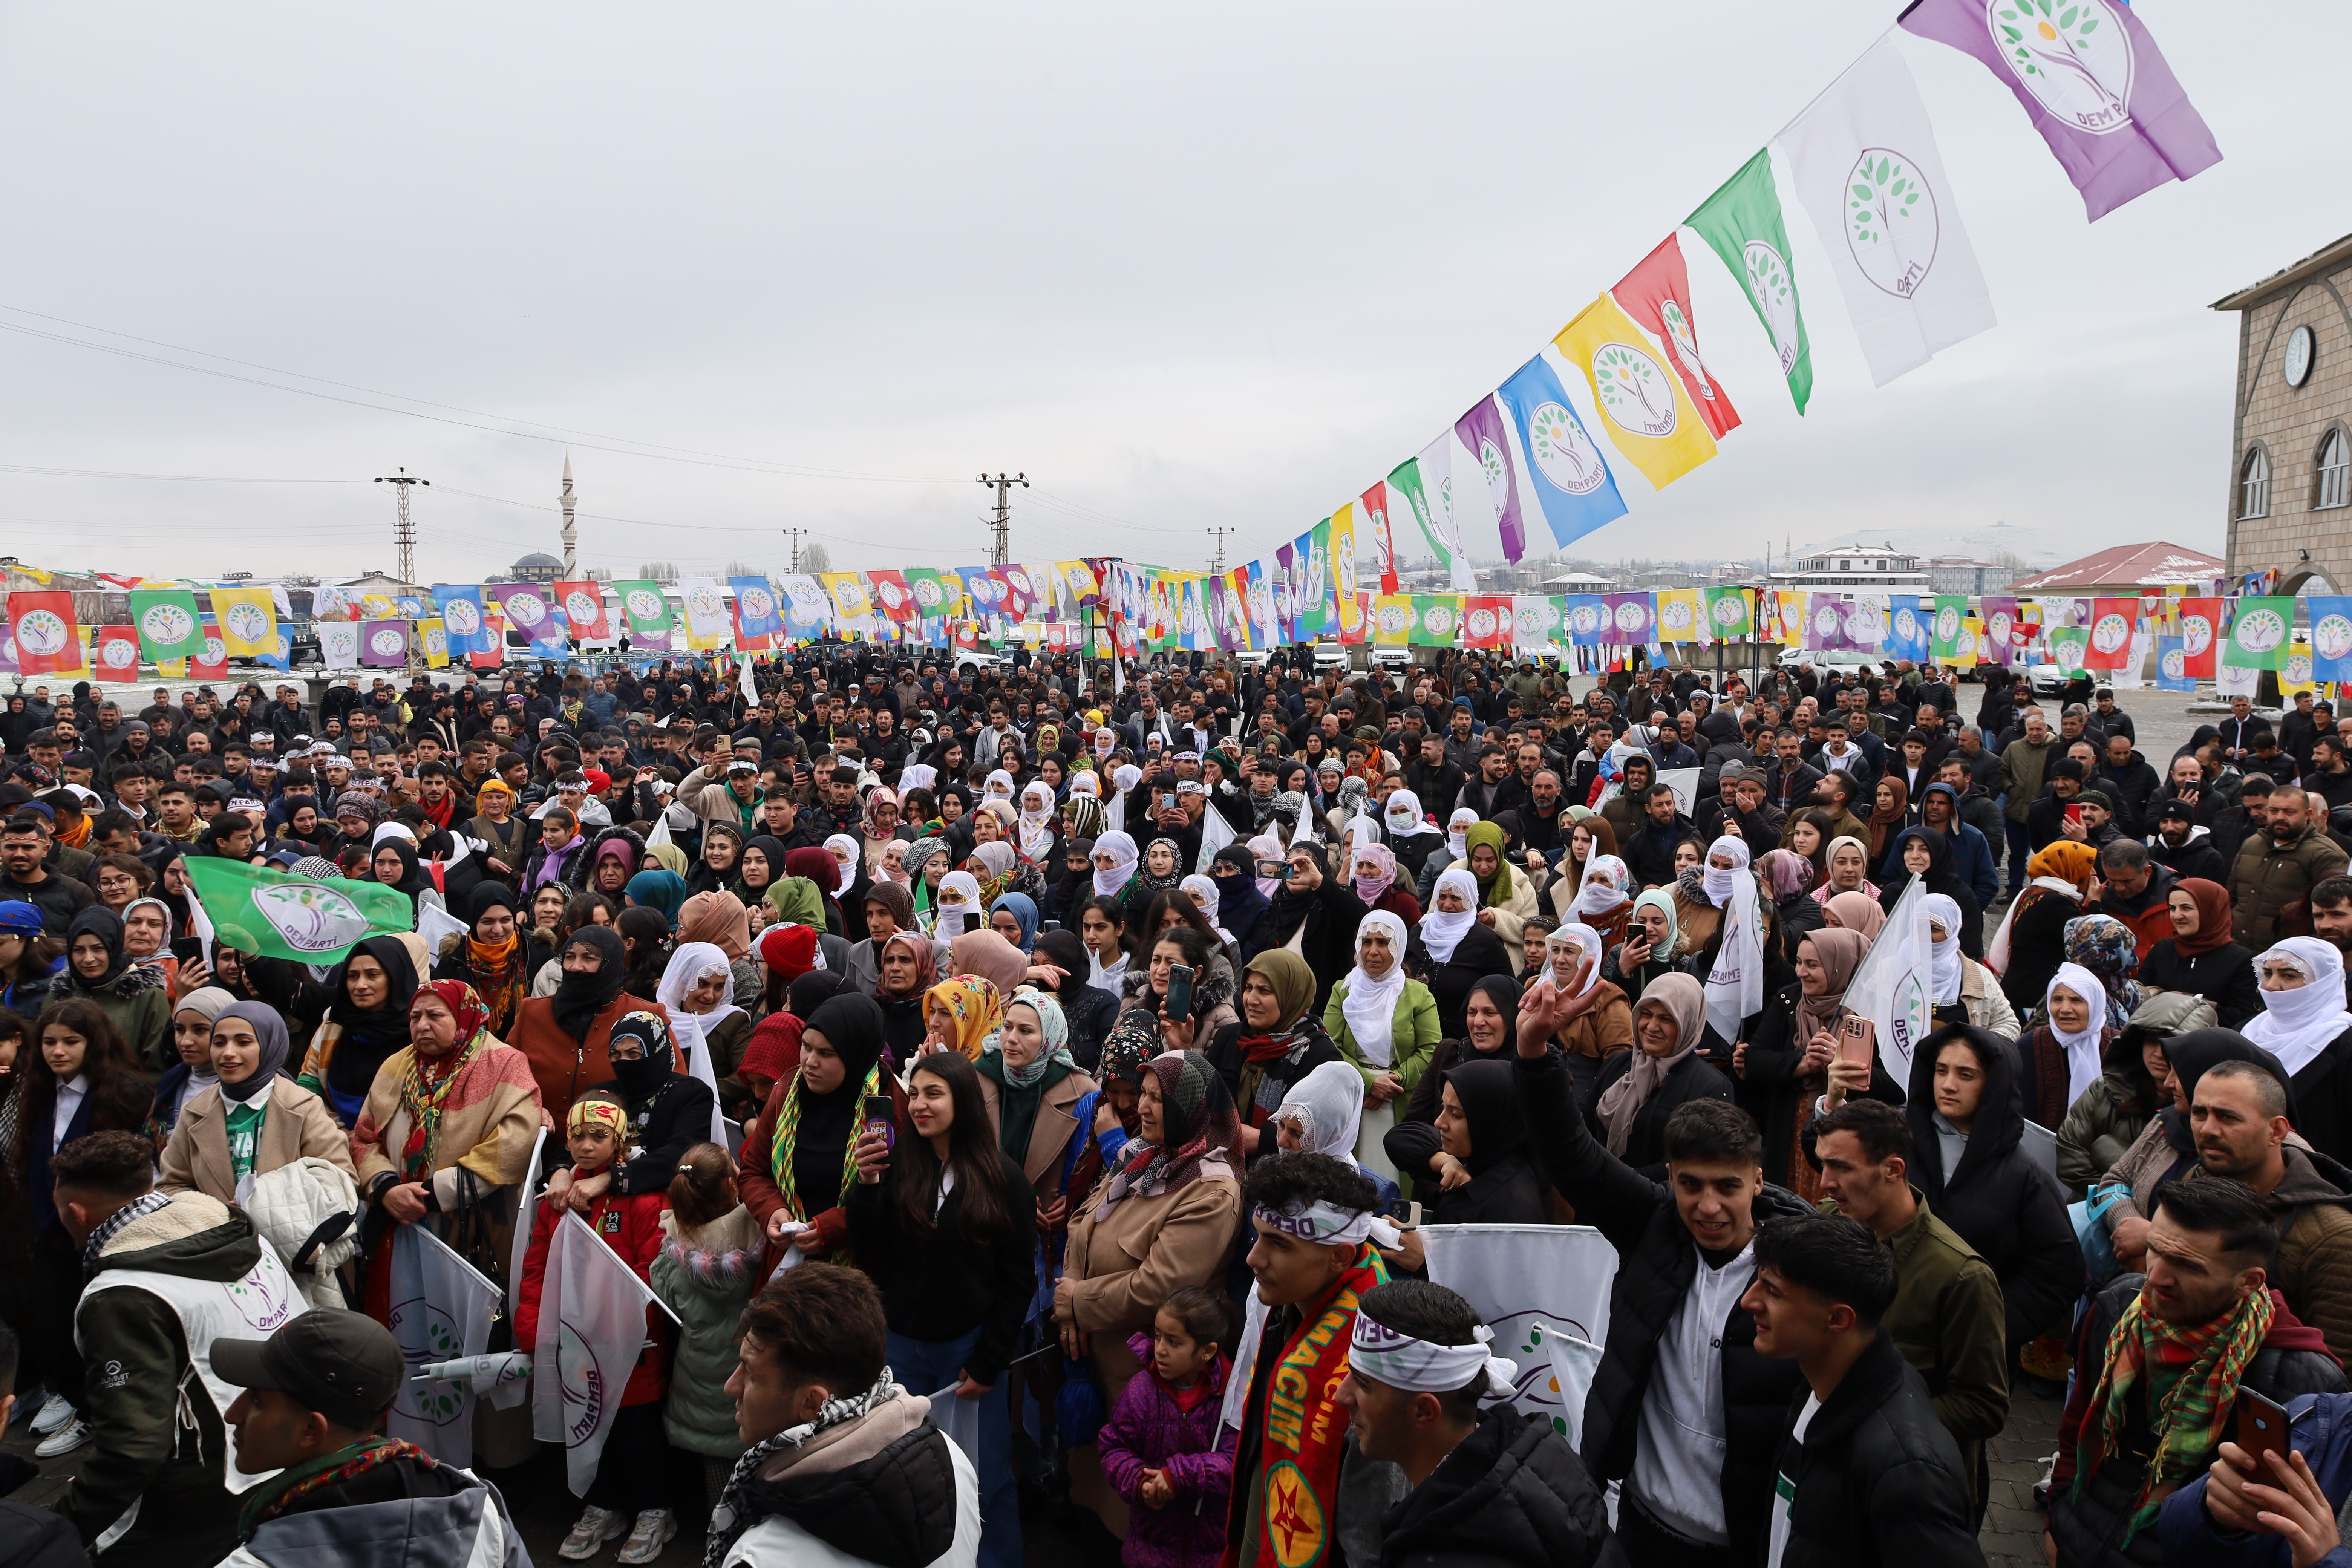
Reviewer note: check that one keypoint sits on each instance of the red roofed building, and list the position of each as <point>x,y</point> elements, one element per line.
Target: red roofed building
<point>2127,569</point>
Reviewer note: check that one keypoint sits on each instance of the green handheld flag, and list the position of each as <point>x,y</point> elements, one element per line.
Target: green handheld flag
<point>281,915</point>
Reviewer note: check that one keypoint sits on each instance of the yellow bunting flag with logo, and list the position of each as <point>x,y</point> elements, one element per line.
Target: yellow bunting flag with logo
<point>1643,408</point>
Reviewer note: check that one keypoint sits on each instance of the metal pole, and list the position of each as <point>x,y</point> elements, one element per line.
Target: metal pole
<point>571,534</point>
<point>1002,553</point>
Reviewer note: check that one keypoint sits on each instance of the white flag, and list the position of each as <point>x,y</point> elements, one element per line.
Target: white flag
<point>1865,160</point>
<point>591,1327</point>
<point>526,1211</point>
<point>339,643</point>
<point>1215,834</point>
<point>1437,489</point>
<point>1895,985</point>
<point>1521,1277</point>
<point>442,1307</point>
<point>743,676</point>
<point>1573,1364</point>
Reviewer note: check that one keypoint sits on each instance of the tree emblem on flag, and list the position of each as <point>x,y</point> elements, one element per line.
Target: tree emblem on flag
<point>2111,633</point>
<point>1560,446</point>
<point>1686,345</point>
<point>1498,479</point>
<point>1890,222</point>
<point>166,625</point>
<point>41,632</point>
<point>2196,633</point>
<point>1633,391</point>
<point>2072,55</point>
<point>119,653</point>
<point>2260,630</point>
<point>248,622</point>
<point>389,642</point>
<point>581,607</point>
<point>2175,663</point>
<point>645,604</point>
<point>1770,285</point>
<point>1481,622</point>
<point>2331,637</point>
<point>428,1399</point>
<point>1947,624</point>
<point>1675,615</point>
<point>1633,620</point>
<point>312,919</point>
<point>1440,620</point>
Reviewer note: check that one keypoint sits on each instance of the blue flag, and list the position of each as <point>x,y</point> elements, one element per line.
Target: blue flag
<point>2172,665</point>
<point>1587,619</point>
<point>461,615</point>
<point>1571,477</point>
<point>2331,637</point>
<point>756,614</point>
<point>1910,622</point>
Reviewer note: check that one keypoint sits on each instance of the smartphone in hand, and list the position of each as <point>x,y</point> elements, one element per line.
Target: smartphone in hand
<point>1179,993</point>
<point>2262,1429</point>
<point>1857,1039</point>
<point>881,1116</point>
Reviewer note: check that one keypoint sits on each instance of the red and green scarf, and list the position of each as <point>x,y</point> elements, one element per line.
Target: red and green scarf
<point>2190,1377</point>
<point>1302,1431</point>
<point>328,1469</point>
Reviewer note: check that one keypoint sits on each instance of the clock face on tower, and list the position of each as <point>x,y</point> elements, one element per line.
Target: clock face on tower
<point>2300,348</point>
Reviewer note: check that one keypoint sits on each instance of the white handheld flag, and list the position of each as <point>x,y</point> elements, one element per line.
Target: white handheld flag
<point>743,676</point>
<point>1865,160</point>
<point>1521,1278</point>
<point>591,1327</point>
<point>442,1308</point>
<point>1215,834</point>
<point>526,1211</point>
<point>1894,986</point>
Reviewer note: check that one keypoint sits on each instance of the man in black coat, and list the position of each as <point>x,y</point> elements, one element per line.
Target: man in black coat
<point>2181,846</point>
<point>1488,1486</point>
<point>1684,1258</point>
<point>1866,1474</point>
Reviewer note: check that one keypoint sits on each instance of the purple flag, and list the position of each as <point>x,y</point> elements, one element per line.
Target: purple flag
<point>1632,619</point>
<point>1999,620</point>
<point>2093,82</point>
<point>385,644</point>
<point>526,604</point>
<point>1482,430</point>
<point>1825,624</point>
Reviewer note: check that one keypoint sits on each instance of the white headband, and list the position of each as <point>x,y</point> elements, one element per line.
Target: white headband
<point>1417,1366</point>
<point>1325,1225</point>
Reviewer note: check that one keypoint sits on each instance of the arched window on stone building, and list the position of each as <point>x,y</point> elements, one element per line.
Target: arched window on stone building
<point>2255,485</point>
<point>2334,470</point>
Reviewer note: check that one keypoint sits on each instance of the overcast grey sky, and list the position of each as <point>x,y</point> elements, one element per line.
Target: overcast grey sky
<point>1208,265</point>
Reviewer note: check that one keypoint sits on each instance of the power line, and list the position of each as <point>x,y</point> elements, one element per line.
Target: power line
<point>182,479</point>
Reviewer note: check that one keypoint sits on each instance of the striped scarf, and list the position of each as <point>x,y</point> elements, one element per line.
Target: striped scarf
<point>788,1133</point>
<point>269,1501</point>
<point>2191,1375</point>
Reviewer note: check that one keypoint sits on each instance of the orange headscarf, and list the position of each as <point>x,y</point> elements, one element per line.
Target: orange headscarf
<point>977,1006</point>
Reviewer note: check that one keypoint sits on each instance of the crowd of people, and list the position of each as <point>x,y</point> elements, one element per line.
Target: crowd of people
<point>1080,1053</point>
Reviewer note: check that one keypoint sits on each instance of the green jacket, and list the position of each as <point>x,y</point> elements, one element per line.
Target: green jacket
<point>2268,877</point>
<point>1413,1035</point>
<point>706,1277</point>
<point>1948,1322</point>
<point>2022,765</point>
<point>140,1008</point>
<point>132,1345</point>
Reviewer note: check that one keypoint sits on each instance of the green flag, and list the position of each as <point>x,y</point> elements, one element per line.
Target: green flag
<point>1951,618</point>
<point>1729,615</point>
<point>2258,632</point>
<point>1742,222</point>
<point>1436,618</point>
<point>169,625</point>
<point>646,605</point>
<point>281,915</point>
<point>1405,479</point>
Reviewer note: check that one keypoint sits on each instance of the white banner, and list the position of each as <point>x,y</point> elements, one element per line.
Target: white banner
<point>339,643</point>
<point>1517,1277</point>
<point>526,1211</point>
<point>442,1308</point>
<point>591,1327</point>
<point>1895,986</point>
<point>1437,489</point>
<point>1865,160</point>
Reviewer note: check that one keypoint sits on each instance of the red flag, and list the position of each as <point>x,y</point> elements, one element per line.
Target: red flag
<point>583,607</point>
<point>114,653</point>
<point>896,599</point>
<point>1376,508</point>
<point>1658,295</point>
<point>1486,620</point>
<point>48,637</point>
<point>2201,635</point>
<point>213,665</point>
<point>2110,634</point>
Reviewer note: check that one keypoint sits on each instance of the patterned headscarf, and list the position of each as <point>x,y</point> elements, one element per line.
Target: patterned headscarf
<point>1197,1125</point>
<point>424,1089</point>
<point>977,1007</point>
<point>2104,945</point>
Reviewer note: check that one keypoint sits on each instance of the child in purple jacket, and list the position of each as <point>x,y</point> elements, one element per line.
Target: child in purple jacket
<point>1160,1449</point>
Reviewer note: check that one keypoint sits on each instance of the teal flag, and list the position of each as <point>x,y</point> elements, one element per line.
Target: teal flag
<point>281,915</point>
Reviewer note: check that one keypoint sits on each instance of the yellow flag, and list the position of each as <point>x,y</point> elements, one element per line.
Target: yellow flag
<point>1679,617</point>
<point>434,634</point>
<point>1343,573</point>
<point>1643,405</point>
<point>848,591</point>
<point>1393,619</point>
<point>248,622</point>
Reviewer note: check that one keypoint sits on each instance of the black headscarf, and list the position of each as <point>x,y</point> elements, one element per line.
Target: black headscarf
<point>650,1074</point>
<point>814,989</point>
<point>1938,876</point>
<point>580,998</point>
<point>852,1025</point>
<point>412,880</point>
<point>1288,911</point>
<point>2198,1052</point>
<point>370,1036</point>
<point>702,877</point>
<point>770,845</point>
<point>1489,1101</point>
<point>2000,1122</point>
<point>1504,992</point>
<point>107,926</point>
<point>1240,905</point>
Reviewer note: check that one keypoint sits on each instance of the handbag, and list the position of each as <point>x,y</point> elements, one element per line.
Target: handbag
<point>2091,1224</point>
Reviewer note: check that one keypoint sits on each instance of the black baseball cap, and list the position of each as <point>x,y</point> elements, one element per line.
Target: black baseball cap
<point>345,1366</point>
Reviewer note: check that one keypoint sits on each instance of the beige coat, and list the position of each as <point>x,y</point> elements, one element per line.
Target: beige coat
<point>1122,1266</point>
<point>482,1146</point>
<point>295,1123</point>
<point>1050,1136</point>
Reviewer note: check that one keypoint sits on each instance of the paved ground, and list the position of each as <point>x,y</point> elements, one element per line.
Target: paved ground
<point>1059,1537</point>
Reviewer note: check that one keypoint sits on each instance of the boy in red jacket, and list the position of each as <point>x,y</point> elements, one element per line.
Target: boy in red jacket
<point>631,1470</point>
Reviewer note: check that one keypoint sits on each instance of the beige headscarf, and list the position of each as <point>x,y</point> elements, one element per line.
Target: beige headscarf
<point>1685,1000</point>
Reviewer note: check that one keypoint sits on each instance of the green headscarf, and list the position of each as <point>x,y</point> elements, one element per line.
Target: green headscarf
<point>796,900</point>
<point>1495,889</point>
<point>1293,982</point>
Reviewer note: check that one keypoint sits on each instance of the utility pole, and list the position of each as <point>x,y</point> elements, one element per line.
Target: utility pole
<point>403,532</point>
<point>571,535</point>
<point>1002,553</point>
<point>796,534</point>
<point>1219,569</point>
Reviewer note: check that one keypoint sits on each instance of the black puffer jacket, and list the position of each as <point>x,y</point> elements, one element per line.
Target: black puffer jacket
<point>889,1502</point>
<point>1656,1261</point>
<point>1877,1478</point>
<point>1512,1495</point>
<point>2003,1205</point>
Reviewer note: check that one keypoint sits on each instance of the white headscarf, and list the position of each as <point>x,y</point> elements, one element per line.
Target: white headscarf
<point>1085,782</point>
<point>999,787</point>
<point>688,967</point>
<point>1735,986</point>
<point>847,870</point>
<point>1326,1108</point>
<point>1404,817</point>
<point>1603,887</point>
<point>1588,946</point>
<point>1457,831</point>
<point>1037,822</point>
<point>2296,1025</point>
<point>917,775</point>
<point>1945,910</point>
<point>1121,849</point>
<point>950,924</point>
<point>1718,881</point>
<point>1203,891</point>
<point>1441,932</point>
<point>2083,1064</point>
<point>1369,1006</point>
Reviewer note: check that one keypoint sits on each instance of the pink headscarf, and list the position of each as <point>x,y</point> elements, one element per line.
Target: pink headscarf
<point>988,955</point>
<point>1385,858</point>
